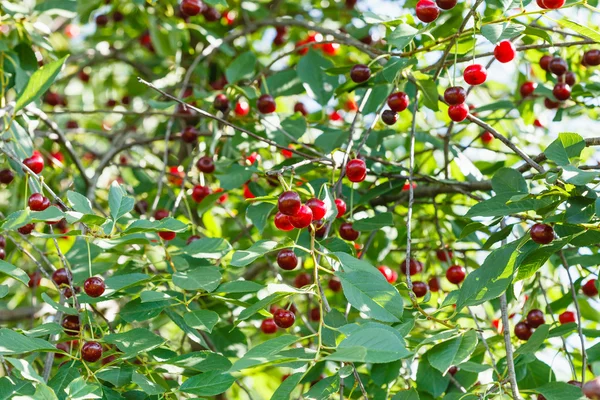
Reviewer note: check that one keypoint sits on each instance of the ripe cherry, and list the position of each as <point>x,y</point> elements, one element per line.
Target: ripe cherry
<point>334,284</point>
<point>562,91</point>
<point>189,134</point>
<point>287,259</point>
<point>167,235</point>
<point>300,108</point>
<point>545,62</point>
<point>206,165</point>
<point>446,4</point>
<point>118,16</point>
<point>414,267</point>
<point>360,73</point>
<point>26,229</point>
<point>487,137</point>
<point>91,351</point>
<point>390,275</point>
<point>527,88</point>
<point>102,20</point>
<point>356,170</point>
<point>453,370</point>
<point>455,95</point>
<point>302,218</point>
<point>566,317</point>
<point>542,233</point>
<point>211,14</point>
<point>504,51</point>
<point>161,214</point>
<point>191,8</point>
<point>289,203</point>
<point>550,104</point>
<point>192,238</point>
<point>592,57</point>
<point>347,232</point>
<point>389,117</point>
<point>318,208</point>
<point>268,326</point>
<point>200,192</point>
<point>397,101</point>
<point>34,279</point>
<point>350,4</point>
<point>302,280</point>
<point>535,318</point>
<point>221,102</point>
<point>284,318</point>
<point>266,104</point>
<point>61,276</point>
<point>523,331</point>
<point>2,241</point>
<point>70,324</point>
<point>282,222</point>
<point>553,4</point>
<point>541,4</point>
<point>589,288</point>
<point>35,162</point>
<point>570,78</point>
<point>335,116</point>
<point>456,274</point>
<point>427,11</point>
<point>420,289</point>
<point>434,284</point>
<point>37,202</point>
<point>6,176</point>
<point>341,207</point>
<point>444,255</point>
<point>331,49</point>
<point>315,314</point>
<point>94,286</point>
<point>591,389</point>
<point>71,124</point>
<point>458,112</point>
<point>242,108</point>
<point>475,74</point>
<point>558,66</point>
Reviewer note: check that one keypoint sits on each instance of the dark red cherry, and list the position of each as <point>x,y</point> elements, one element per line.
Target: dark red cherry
<point>287,259</point>
<point>505,51</point>
<point>458,112</point>
<point>289,203</point>
<point>347,232</point>
<point>190,134</point>
<point>360,73</point>
<point>542,233</point>
<point>591,58</point>
<point>541,4</point>
<point>545,62</point>
<point>567,317</point>
<point>414,267</point>
<point>341,207</point>
<point>191,8</point>
<point>37,202</point>
<point>6,176</point>
<point>200,192</point>
<point>434,284</point>
<point>282,222</point>
<point>475,74</point>
<point>456,274</point>
<point>389,117</point>
<point>192,238</point>
<point>302,218</point>
<point>553,4</point>
<point>420,288</point>
<point>72,124</point>
<point>427,11</point>
<point>34,279</point>
<point>141,206</point>
<point>221,102</point>
<point>94,286</point>
<point>523,331</point>
<point>453,370</point>
<point>455,95</point>
<point>61,276</point>
<point>589,288</point>
<point>562,91</point>
<point>527,88</point>
<point>591,389</point>
<point>302,280</point>
<point>301,108</point>
<point>356,170</point>
<point>335,284</point>
<point>398,101</point>
<point>284,318</point>
<point>315,314</point>
<point>444,255</point>
<point>318,208</point>
<point>570,78</point>
<point>211,14</point>
<point>550,104</point>
<point>535,318</point>
<point>206,164</point>
<point>558,66</point>
<point>268,326</point>
<point>102,20</point>
<point>118,16</point>
<point>266,104</point>
<point>91,351</point>
<point>70,324</point>
<point>26,229</point>
<point>390,275</point>
<point>446,4</point>
<point>160,214</point>
<point>167,235</point>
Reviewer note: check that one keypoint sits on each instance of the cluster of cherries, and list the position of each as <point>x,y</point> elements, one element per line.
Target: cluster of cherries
<point>90,351</point>
<point>93,286</point>
<point>191,8</point>
<point>429,10</point>
<point>397,102</point>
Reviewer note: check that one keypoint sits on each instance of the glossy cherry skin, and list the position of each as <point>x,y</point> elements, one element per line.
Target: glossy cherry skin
<point>541,4</point>
<point>335,116</point>
<point>444,255</point>
<point>591,58</point>
<point>102,20</point>
<point>545,62</point>
<point>191,8</point>
<point>300,108</point>
<point>456,274</point>
<point>6,176</point>
<point>551,104</point>
<point>487,137</point>
<point>160,214</point>
<point>26,229</point>
<point>458,112</point>
<point>302,280</point>
<point>356,170</point>
<point>591,389</point>
<point>427,11</point>
<point>266,104</point>
<point>542,233</point>
<point>335,284</point>
<point>167,235</point>
<point>347,232</point>
<point>414,267</point>
<point>341,207</point>
<point>284,318</point>
<point>434,284</point>
<point>554,4</point>
<point>446,4</point>
<point>389,117</point>
<point>91,351</point>
<point>289,203</point>
<point>562,91</point>
<point>211,14</point>
<point>527,88</point>
<point>287,259</point>
<point>35,162</point>
<point>61,276</point>
<point>70,324</point>
<point>589,288</point>
<point>94,286</point>
<point>34,279</point>
<point>523,331</point>
<point>420,289</point>
<point>475,74</point>
<point>398,101</point>
<point>566,317</point>
<point>37,202</point>
<point>317,207</point>
<point>505,51</point>
<point>242,108</point>
<point>221,102</point>
<point>200,192</point>
<point>390,275</point>
<point>268,326</point>
<point>535,318</point>
<point>206,165</point>
<point>282,222</point>
<point>360,73</point>
<point>302,218</point>
<point>570,78</point>
<point>558,66</point>
<point>455,95</point>
<point>189,134</point>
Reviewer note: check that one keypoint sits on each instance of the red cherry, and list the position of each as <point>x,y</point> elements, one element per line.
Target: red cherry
<point>35,163</point>
<point>341,207</point>
<point>289,203</point>
<point>317,207</point>
<point>535,318</point>
<point>551,104</point>
<point>61,276</point>
<point>446,4</point>
<point>266,104</point>
<point>287,259</point>
<point>6,176</point>
<point>589,288</point>
<point>591,389</point>
<point>34,278</point>
<point>458,112</point>
<point>553,4</point>
<point>301,108</point>
<point>167,235</point>
<point>456,274</point>
<point>335,116</point>
<point>527,88</point>
<point>200,192</point>
<point>26,229</point>
<point>455,95</point>
<point>102,20</point>
<point>347,232</point>
<point>434,284</point>
<point>570,78</point>
<point>487,137</point>
<point>350,4</point>
<point>331,49</point>
<point>91,351</point>
<point>191,8</point>
<point>282,222</point>
<point>72,124</point>
<point>146,41</point>
<point>390,275</point>
<point>192,238</point>
<point>63,347</point>
<point>268,326</point>
<point>592,57</point>
<point>356,170</point>
<point>505,51</point>
<point>94,286</point>
<point>558,66</point>
<point>302,280</point>
<point>389,117</point>
<point>190,134</point>
<point>545,62</point>
<point>221,102</point>
<point>242,108</point>
<point>523,331</point>
<point>427,11</point>
<point>37,202</point>
<point>420,288</point>
<point>542,233</point>
<point>315,314</point>
<point>453,370</point>
<point>444,255</point>
<point>211,14</point>
<point>562,91</point>
<point>70,324</point>
<point>566,317</point>
<point>398,101</point>
<point>475,74</point>
<point>537,123</point>
<point>118,16</point>
<point>360,73</point>
<point>541,4</point>
<point>302,218</point>
<point>414,267</point>
<point>284,318</point>
<point>206,164</point>
<point>161,214</point>
<point>335,284</point>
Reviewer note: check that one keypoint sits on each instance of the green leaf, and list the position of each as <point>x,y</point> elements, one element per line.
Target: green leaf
<point>201,361</point>
<point>495,33</point>
<point>14,272</point>
<point>215,3</point>
<point>430,93</point>
<point>235,177</point>
<point>508,180</point>
<point>26,370</point>
<point>61,379</point>
<point>452,352</point>
<point>51,213</point>
<point>118,201</point>
<point>239,287</point>
<point>285,83</point>
<point>242,67</point>
<point>117,376</point>
<point>319,85</point>
<point>241,258</point>
<point>581,29</point>
<point>205,278</point>
<point>501,205</point>
<point>284,391</point>
<point>560,391</point>
<point>537,258</point>
<point>57,306</point>
<point>165,224</point>
<point>15,343</point>
<point>410,394</point>
<point>211,248</point>
<point>258,214</point>
<point>136,310</point>
<point>401,36</point>
<point>205,320</point>
<point>149,387</point>
<point>535,341</point>
<point>10,387</point>
<point>374,223</point>
<point>80,203</point>
<point>208,384</point>
<point>39,83</point>
<point>79,389</point>
<point>568,145</point>
<point>323,389</point>
<point>135,341</point>
<point>16,220</point>
<point>429,379</point>
<point>264,352</point>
